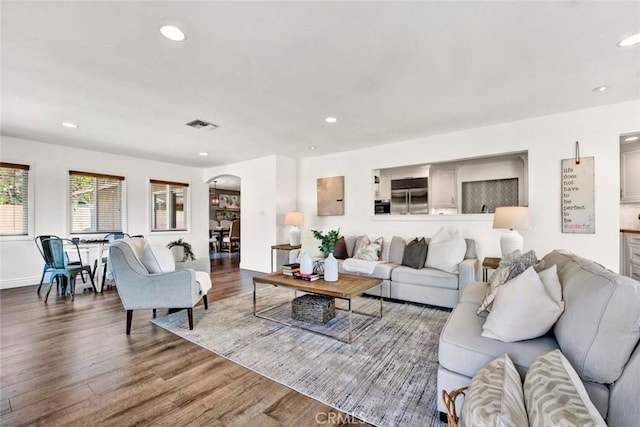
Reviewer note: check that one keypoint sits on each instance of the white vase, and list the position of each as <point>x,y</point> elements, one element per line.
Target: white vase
<point>330,269</point>
<point>306,264</point>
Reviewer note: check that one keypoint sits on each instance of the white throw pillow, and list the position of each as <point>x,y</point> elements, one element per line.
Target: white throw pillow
<point>524,308</point>
<point>446,254</point>
<point>136,245</point>
<point>158,259</point>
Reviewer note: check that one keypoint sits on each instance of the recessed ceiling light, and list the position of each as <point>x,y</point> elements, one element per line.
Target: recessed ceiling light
<point>69,125</point>
<point>203,154</point>
<point>330,119</point>
<point>313,147</point>
<point>629,41</point>
<point>631,139</point>
<point>173,33</point>
<point>601,88</point>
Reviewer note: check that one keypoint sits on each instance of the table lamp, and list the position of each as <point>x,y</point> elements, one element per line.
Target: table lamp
<point>512,218</point>
<point>294,219</point>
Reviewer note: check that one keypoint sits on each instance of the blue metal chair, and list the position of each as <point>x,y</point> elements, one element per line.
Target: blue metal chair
<point>56,259</point>
<point>47,267</point>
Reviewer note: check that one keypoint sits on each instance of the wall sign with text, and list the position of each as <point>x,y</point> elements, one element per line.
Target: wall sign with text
<point>578,196</point>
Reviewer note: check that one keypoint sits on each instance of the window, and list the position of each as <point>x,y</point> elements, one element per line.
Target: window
<point>14,199</point>
<point>95,202</point>
<point>168,205</point>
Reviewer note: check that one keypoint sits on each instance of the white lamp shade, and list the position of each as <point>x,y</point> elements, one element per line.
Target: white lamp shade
<point>512,217</point>
<point>294,218</point>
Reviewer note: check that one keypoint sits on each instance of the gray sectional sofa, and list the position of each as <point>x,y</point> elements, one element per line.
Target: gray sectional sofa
<point>598,332</point>
<point>424,285</point>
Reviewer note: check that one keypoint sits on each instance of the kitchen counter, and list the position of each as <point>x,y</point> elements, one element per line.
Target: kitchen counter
<point>630,230</point>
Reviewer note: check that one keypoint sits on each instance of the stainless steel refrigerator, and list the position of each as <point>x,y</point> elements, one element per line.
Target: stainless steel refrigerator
<point>409,196</point>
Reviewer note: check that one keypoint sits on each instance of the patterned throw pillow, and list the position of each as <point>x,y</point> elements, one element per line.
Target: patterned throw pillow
<point>510,267</point>
<point>494,397</point>
<point>367,250</point>
<point>555,395</point>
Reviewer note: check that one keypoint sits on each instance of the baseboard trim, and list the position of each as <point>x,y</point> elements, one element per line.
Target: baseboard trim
<point>254,267</point>
<point>19,282</point>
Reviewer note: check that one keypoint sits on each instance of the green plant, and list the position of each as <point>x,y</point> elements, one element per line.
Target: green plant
<point>188,250</point>
<point>327,241</point>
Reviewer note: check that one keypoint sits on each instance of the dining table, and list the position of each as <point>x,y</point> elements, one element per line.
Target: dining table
<point>93,250</point>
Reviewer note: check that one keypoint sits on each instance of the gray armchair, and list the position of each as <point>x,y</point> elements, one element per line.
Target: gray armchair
<point>140,289</point>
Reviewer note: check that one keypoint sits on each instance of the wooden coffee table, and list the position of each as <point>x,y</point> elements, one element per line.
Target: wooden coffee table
<point>346,288</point>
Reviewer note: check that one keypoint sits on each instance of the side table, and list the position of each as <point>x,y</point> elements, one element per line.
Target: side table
<point>489,263</point>
<point>282,247</point>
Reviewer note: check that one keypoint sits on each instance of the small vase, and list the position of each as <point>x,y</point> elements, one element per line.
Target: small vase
<point>330,269</point>
<point>306,264</point>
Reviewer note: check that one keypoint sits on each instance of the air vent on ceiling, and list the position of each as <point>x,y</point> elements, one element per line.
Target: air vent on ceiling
<point>201,124</point>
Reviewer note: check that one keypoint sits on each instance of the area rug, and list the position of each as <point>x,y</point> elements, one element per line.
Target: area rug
<point>387,377</point>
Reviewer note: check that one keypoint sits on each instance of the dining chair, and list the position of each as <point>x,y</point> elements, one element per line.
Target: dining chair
<point>108,239</point>
<point>233,239</point>
<point>55,256</point>
<point>47,267</point>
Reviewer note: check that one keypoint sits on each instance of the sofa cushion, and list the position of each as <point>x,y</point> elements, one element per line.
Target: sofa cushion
<point>415,253</point>
<point>525,307</point>
<point>428,277</point>
<point>600,325</point>
<point>446,253</point>
<point>494,397</point>
<point>396,249</point>
<point>553,391</point>
<point>464,351</point>
<point>158,259</point>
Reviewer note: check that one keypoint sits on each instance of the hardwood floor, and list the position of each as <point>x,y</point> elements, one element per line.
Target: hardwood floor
<point>71,363</point>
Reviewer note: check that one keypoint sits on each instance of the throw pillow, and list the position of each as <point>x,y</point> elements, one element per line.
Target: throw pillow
<point>396,250</point>
<point>367,250</point>
<point>510,267</point>
<point>524,308</point>
<point>494,397</point>
<point>137,246</point>
<point>340,249</point>
<point>158,259</point>
<point>204,281</point>
<point>553,391</point>
<point>415,254</point>
<point>445,255</point>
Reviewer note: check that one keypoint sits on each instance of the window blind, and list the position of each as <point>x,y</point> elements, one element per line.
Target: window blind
<point>95,202</point>
<point>14,199</point>
<point>168,205</point>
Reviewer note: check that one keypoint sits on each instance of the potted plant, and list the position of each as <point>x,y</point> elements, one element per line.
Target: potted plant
<point>327,241</point>
<point>183,250</point>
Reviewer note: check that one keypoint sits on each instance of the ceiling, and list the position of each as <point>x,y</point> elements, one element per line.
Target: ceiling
<point>268,73</point>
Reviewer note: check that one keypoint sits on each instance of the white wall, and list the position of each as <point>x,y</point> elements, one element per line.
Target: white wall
<point>20,262</point>
<point>548,139</point>
<point>267,191</point>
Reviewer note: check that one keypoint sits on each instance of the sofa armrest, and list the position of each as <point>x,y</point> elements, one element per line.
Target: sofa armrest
<point>199,264</point>
<point>466,273</point>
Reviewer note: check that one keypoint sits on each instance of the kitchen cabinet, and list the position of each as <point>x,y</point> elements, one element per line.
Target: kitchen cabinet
<point>631,256</point>
<point>630,173</point>
<point>443,188</point>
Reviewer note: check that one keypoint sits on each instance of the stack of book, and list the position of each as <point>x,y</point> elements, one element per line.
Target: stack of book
<point>289,269</point>
<point>307,277</point>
